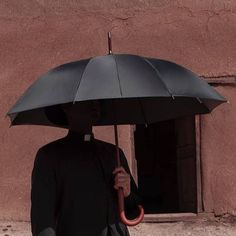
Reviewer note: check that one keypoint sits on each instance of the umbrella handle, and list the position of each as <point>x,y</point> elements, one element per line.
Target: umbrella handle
<point>120,193</point>
<point>123,218</point>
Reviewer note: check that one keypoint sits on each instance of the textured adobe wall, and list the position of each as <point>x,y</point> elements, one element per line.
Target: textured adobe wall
<point>219,156</point>
<point>36,35</point>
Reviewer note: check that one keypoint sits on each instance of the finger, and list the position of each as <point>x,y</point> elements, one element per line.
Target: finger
<point>126,182</point>
<point>122,177</point>
<point>121,185</point>
<point>117,186</point>
<point>125,188</point>
<point>119,170</point>
<point>122,180</point>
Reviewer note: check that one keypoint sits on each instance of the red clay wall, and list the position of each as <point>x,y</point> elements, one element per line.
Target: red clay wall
<point>38,35</point>
<point>219,155</point>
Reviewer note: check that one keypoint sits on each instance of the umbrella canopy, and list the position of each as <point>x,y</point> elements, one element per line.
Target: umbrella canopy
<point>132,90</point>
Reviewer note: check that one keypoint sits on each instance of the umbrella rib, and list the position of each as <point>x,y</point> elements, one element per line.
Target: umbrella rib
<point>159,74</point>
<point>113,56</point>
<point>77,86</point>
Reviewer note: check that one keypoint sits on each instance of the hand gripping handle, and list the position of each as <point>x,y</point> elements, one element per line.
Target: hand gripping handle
<point>123,218</point>
<point>121,193</point>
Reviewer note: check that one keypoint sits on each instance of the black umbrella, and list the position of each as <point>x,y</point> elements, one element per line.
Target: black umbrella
<point>131,89</point>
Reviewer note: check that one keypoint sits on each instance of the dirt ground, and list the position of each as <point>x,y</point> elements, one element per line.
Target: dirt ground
<point>224,226</point>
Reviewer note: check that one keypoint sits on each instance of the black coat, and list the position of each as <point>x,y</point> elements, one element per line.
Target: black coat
<point>72,189</point>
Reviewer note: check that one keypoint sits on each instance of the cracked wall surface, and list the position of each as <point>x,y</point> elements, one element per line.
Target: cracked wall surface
<point>38,35</point>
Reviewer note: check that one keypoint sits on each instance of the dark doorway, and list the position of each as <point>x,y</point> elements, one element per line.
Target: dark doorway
<point>166,164</point>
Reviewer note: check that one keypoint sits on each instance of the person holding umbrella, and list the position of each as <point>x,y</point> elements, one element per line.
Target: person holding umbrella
<point>131,89</point>
<point>74,181</point>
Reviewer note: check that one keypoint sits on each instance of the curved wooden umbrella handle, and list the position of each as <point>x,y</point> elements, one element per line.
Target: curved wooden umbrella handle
<point>123,218</point>
<point>121,193</point>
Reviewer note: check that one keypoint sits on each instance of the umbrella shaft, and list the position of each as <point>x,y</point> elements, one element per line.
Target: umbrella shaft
<point>117,146</point>
<point>109,43</point>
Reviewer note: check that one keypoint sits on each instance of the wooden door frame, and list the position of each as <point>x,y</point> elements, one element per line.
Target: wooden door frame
<point>180,216</point>
<point>198,163</point>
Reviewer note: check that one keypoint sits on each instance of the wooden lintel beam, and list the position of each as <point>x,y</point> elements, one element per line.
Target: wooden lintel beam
<point>220,79</point>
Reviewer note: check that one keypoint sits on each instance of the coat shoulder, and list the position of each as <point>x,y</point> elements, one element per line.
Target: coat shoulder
<point>104,144</point>
<point>48,150</point>
<point>109,147</point>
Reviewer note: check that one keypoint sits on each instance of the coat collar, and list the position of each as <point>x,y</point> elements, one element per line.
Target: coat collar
<point>80,137</point>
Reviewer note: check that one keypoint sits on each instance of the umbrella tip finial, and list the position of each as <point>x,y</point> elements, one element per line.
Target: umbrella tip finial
<point>109,43</point>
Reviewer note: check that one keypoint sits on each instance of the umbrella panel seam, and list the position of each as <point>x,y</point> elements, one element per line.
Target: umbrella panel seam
<point>159,75</point>
<point>77,87</point>
<point>118,77</point>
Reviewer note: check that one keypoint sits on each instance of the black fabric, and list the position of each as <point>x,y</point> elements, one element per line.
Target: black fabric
<point>72,189</point>
<point>139,89</point>
<point>47,232</point>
